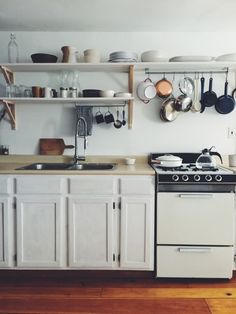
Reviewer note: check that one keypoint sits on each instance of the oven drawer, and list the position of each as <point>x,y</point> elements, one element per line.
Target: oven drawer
<point>194,261</point>
<point>195,218</point>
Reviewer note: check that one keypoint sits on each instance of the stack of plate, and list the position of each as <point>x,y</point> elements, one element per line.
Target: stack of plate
<point>123,56</point>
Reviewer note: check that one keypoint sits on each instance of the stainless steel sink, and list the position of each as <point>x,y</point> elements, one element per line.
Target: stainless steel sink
<point>66,166</point>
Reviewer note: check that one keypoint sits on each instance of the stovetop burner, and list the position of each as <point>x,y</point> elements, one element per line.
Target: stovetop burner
<point>185,168</point>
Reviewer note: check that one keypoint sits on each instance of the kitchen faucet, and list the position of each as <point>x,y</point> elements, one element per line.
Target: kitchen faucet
<point>80,120</point>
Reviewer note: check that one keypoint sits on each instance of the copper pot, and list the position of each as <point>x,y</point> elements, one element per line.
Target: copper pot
<point>164,88</point>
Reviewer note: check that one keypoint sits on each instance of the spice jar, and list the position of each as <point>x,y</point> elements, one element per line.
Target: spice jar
<point>63,92</point>
<point>73,92</point>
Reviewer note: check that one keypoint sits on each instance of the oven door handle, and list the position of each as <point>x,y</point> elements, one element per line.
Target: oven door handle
<point>197,195</point>
<point>194,250</point>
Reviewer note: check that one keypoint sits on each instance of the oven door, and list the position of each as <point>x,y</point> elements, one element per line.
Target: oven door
<point>185,218</point>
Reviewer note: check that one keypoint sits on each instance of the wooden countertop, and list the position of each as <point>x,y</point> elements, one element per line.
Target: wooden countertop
<point>8,165</point>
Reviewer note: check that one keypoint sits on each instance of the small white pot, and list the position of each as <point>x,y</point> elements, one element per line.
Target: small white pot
<point>146,90</point>
<point>169,160</point>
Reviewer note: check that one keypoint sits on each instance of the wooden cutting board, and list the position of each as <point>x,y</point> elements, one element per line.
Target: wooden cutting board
<point>52,146</point>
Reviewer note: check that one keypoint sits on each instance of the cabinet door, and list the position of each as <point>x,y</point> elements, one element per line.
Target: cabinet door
<point>90,232</point>
<point>6,232</point>
<point>39,229</point>
<point>137,233</point>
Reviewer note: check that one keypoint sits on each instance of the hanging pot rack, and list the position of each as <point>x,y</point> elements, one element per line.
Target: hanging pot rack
<point>223,71</point>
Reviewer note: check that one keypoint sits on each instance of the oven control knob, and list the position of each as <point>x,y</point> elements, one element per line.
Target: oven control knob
<point>175,177</point>
<point>185,177</point>
<point>218,178</point>
<point>208,178</point>
<point>197,177</point>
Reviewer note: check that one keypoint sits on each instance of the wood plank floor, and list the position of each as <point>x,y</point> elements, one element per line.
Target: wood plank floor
<point>62,292</point>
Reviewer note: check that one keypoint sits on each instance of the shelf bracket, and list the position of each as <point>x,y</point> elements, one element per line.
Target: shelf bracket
<point>131,102</point>
<point>8,74</point>
<point>11,111</point>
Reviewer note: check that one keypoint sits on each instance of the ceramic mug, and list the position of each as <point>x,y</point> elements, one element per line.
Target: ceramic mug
<point>99,117</point>
<point>232,160</point>
<point>108,117</point>
<point>37,91</point>
<point>47,92</point>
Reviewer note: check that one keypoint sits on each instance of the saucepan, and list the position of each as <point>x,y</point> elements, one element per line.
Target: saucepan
<point>169,161</point>
<point>168,112</point>
<point>146,90</point>
<point>164,88</point>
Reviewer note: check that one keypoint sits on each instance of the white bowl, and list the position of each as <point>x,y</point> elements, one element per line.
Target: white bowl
<point>150,56</point>
<point>130,161</point>
<point>91,52</point>
<point>123,94</point>
<point>107,93</point>
<point>92,59</point>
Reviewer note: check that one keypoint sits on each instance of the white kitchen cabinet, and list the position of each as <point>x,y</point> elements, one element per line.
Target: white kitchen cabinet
<point>78,222</point>
<point>137,222</point>
<point>6,232</point>
<point>136,233</point>
<point>90,230</point>
<point>39,231</point>
<point>117,218</point>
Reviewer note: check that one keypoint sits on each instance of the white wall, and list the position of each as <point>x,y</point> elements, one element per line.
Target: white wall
<point>190,132</point>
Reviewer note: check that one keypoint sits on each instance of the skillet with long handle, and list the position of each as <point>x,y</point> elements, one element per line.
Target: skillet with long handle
<point>225,103</point>
<point>209,98</point>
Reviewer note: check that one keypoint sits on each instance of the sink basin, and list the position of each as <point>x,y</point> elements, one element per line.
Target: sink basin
<point>66,166</point>
<point>92,166</point>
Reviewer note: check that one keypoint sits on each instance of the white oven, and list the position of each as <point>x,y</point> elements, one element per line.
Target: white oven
<point>195,214</point>
<point>195,234</point>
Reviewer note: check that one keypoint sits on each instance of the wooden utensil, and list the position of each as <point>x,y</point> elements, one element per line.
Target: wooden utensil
<point>52,146</point>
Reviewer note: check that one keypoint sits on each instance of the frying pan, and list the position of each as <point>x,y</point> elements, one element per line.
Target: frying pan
<point>202,92</point>
<point>164,88</point>
<point>225,103</point>
<point>168,112</point>
<point>52,146</point>
<point>209,98</point>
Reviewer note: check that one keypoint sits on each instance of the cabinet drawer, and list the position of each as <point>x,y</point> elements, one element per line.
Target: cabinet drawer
<point>194,261</point>
<point>103,185</point>
<point>6,185</point>
<point>38,185</point>
<point>195,218</point>
<point>137,185</point>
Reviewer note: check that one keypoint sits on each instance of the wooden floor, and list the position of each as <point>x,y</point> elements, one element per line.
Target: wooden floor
<point>50,292</point>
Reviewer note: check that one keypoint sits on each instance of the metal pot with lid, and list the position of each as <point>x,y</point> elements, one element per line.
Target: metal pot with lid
<point>169,160</point>
<point>205,160</point>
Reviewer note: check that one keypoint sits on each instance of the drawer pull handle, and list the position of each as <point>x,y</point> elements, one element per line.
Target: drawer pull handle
<point>194,250</point>
<point>202,195</point>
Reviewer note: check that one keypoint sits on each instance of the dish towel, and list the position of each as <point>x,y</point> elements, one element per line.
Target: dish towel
<point>87,113</point>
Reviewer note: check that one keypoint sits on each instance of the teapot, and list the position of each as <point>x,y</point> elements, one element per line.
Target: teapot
<point>205,160</point>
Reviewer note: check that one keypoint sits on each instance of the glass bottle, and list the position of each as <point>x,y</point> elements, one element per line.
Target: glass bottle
<point>13,50</point>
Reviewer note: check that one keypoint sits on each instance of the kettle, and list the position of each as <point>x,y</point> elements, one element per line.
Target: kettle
<point>205,160</point>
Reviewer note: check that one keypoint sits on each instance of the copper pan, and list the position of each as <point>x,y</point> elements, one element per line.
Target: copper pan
<point>164,88</point>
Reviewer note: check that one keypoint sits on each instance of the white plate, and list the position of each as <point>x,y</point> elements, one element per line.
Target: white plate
<point>191,59</point>
<point>157,59</point>
<point>123,60</point>
<point>227,57</point>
